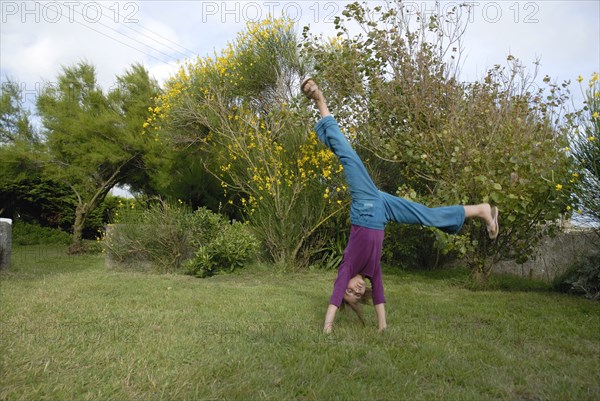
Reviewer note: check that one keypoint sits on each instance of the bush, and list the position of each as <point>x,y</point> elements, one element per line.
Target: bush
<point>33,234</point>
<point>583,277</point>
<point>331,254</point>
<point>414,247</point>
<point>586,150</point>
<point>240,109</point>
<point>229,249</point>
<point>150,235</point>
<point>439,141</point>
<point>168,238</point>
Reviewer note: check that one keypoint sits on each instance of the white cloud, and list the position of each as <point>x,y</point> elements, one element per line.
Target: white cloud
<point>157,33</point>
<point>561,34</point>
<point>162,72</point>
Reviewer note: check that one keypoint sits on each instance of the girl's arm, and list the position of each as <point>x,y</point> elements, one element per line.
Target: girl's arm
<point>380,312</point>
<point>329,317</point>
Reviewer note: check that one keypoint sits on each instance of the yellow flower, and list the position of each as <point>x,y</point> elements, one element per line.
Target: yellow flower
<point>579,78</point>
<point>568,207</point>
<point>595,115</point>
<point>558,187</point>
<point>591,138</point>
<point>594,77</point>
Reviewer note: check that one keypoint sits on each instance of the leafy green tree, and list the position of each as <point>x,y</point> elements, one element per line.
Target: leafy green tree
<point>180,174</point>
<point>395,87</point>
<point>15,119</point>
<point>132,97</point>
<point>23,190</point>
<point>93,137</point>
<point>36,200</point>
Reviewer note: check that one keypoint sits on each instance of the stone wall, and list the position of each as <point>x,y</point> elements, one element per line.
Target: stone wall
<point>554,255</point>
<point>5,243</point>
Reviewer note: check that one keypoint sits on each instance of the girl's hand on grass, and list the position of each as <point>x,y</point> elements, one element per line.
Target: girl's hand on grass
<point>381,321</point>
<point>329,317</point>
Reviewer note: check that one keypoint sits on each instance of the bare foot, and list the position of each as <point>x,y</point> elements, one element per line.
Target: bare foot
<point>492,226</point>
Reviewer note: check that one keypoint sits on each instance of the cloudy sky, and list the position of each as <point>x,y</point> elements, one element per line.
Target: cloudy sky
<point>38,37</point>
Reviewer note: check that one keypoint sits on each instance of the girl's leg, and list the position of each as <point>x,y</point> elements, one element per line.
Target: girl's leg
<point>447,218</point>
<point>360,184</point>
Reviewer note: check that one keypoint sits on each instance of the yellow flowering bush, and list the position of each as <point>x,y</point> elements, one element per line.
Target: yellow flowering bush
<point>241,109</point>
<point>280,174</point>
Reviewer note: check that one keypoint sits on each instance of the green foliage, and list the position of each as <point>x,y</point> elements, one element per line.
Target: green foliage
<point>23,190</point>
<point>240,110</point>
<point>15,124</point>
<point>177,173</point>
<point>441,142</point>
<point>412,247</point>
<point>586,150</point>
<point>170,238</point>
<point>149,235</point>
<point>37,199</point>
<point>24,233</point>
<point>583,277</point>
<point>226,247</point>
<point>330,255</point>
<point>93,136</point>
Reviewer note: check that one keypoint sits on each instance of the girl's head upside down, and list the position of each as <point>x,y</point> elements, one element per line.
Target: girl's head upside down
<point>356,292</point>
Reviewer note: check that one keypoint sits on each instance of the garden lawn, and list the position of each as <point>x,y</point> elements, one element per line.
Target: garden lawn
<point>73,330</point>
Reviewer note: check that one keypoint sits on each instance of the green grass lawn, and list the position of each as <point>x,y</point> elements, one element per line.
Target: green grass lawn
<point>72,330</point>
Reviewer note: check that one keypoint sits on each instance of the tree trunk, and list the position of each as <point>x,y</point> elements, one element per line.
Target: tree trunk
<point>82,210</point>
<point>80,216</point>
